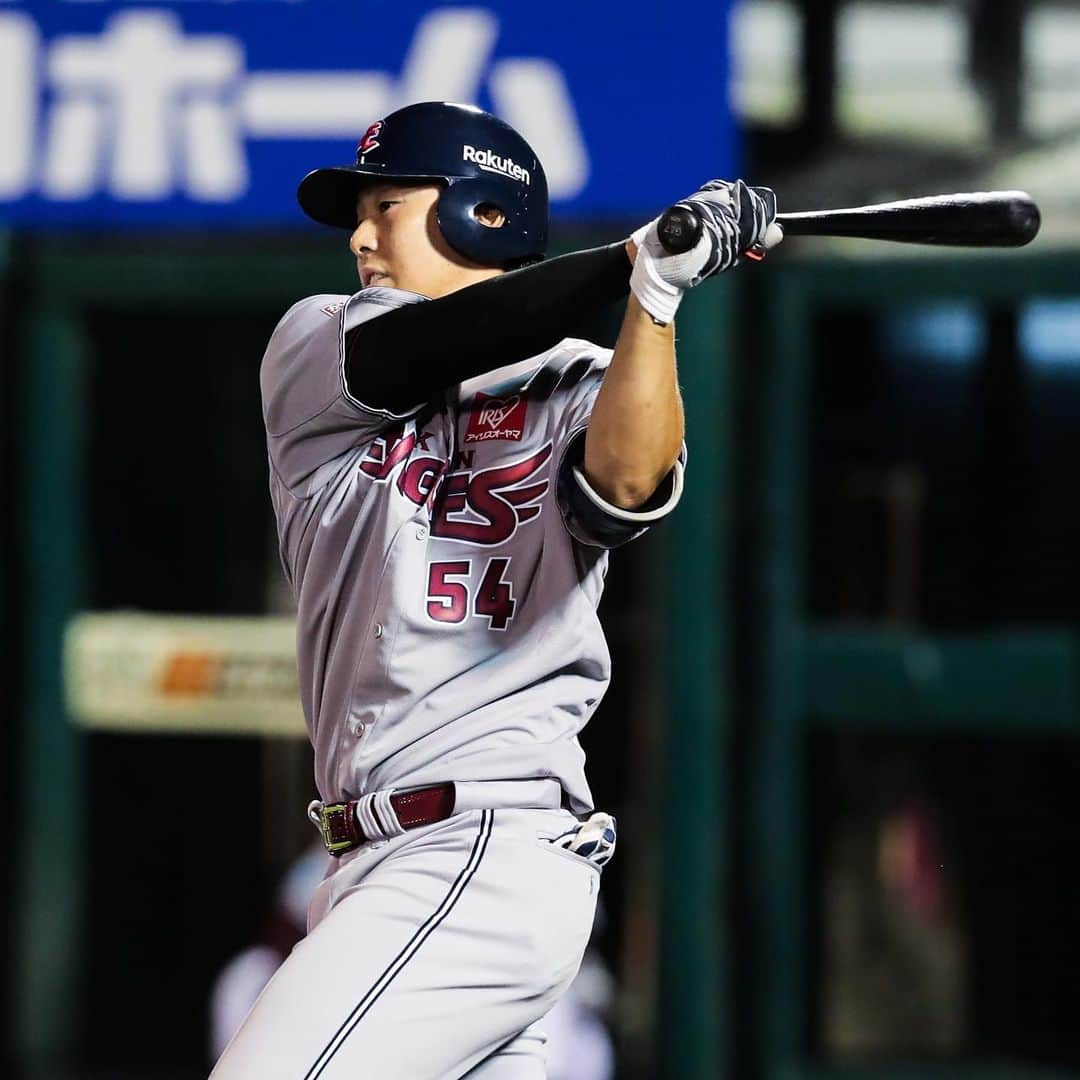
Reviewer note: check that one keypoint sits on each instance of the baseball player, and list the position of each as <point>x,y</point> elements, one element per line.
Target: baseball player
<point>448,472</point>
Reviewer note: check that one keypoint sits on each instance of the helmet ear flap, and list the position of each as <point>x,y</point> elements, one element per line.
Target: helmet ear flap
<point>469,237</point>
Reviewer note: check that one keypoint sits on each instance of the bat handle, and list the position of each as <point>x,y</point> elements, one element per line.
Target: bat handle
<point>679,229</point>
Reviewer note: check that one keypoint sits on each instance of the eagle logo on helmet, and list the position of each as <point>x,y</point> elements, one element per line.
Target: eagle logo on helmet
<point>369,142</point>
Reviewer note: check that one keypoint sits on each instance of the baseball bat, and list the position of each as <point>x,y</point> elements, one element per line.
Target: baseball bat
<point>967,219</point>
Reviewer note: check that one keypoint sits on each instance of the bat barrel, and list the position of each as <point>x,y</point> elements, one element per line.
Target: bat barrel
<point>968,219</point>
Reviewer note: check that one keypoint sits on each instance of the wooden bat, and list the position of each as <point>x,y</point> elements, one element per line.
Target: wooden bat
<point>968,219</point>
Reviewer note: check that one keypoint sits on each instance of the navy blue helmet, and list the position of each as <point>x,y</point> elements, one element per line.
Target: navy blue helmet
<point>480,159</point>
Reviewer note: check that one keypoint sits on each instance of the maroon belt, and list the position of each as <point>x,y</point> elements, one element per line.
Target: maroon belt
<point>341,829</point>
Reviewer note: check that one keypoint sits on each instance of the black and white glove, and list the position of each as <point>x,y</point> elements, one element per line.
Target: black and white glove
<point>737,221</point>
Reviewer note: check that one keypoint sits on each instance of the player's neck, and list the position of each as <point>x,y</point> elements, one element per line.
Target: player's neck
<point>462,279</point>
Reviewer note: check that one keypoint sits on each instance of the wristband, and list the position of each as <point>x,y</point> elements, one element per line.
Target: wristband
<point>655,295</point>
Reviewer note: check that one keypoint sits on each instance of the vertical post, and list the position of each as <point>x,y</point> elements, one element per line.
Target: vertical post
<point>997,61</point>
<point>819,71</point>
<point>6,413</point>
<point>693,1014</point>
<point>9,666</point>
<point>777,847</point>
<point>1004,472</point>
<point>51,807</point>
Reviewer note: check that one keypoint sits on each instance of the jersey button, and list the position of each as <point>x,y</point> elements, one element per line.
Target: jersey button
<point>357,727</point>
<point>378,629</point>
<point>421,532</point>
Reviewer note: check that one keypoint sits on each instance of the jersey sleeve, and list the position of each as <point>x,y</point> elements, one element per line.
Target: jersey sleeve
<point>589,518</point>
<point>311,418</point>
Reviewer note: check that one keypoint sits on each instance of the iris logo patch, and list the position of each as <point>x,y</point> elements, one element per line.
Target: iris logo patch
<point>496,418</point>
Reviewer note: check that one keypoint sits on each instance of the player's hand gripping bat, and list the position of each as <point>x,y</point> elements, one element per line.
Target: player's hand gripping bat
<point>970,219</point>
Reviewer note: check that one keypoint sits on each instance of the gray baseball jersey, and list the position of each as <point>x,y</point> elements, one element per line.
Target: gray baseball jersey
<point>447,562</point>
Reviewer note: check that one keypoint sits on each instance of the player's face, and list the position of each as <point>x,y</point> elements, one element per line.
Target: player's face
<point>397,242</point>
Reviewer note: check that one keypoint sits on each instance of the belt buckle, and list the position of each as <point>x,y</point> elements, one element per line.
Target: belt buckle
<point>334,825</point>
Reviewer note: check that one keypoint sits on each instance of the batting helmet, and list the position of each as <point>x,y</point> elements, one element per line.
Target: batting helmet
<point>479,158</point>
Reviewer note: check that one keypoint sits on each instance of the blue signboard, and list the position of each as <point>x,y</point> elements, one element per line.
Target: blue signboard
<point>207,112</point>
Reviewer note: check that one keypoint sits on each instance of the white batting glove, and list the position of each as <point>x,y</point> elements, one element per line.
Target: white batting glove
<point>737,221</point>
<point>593,839</point>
